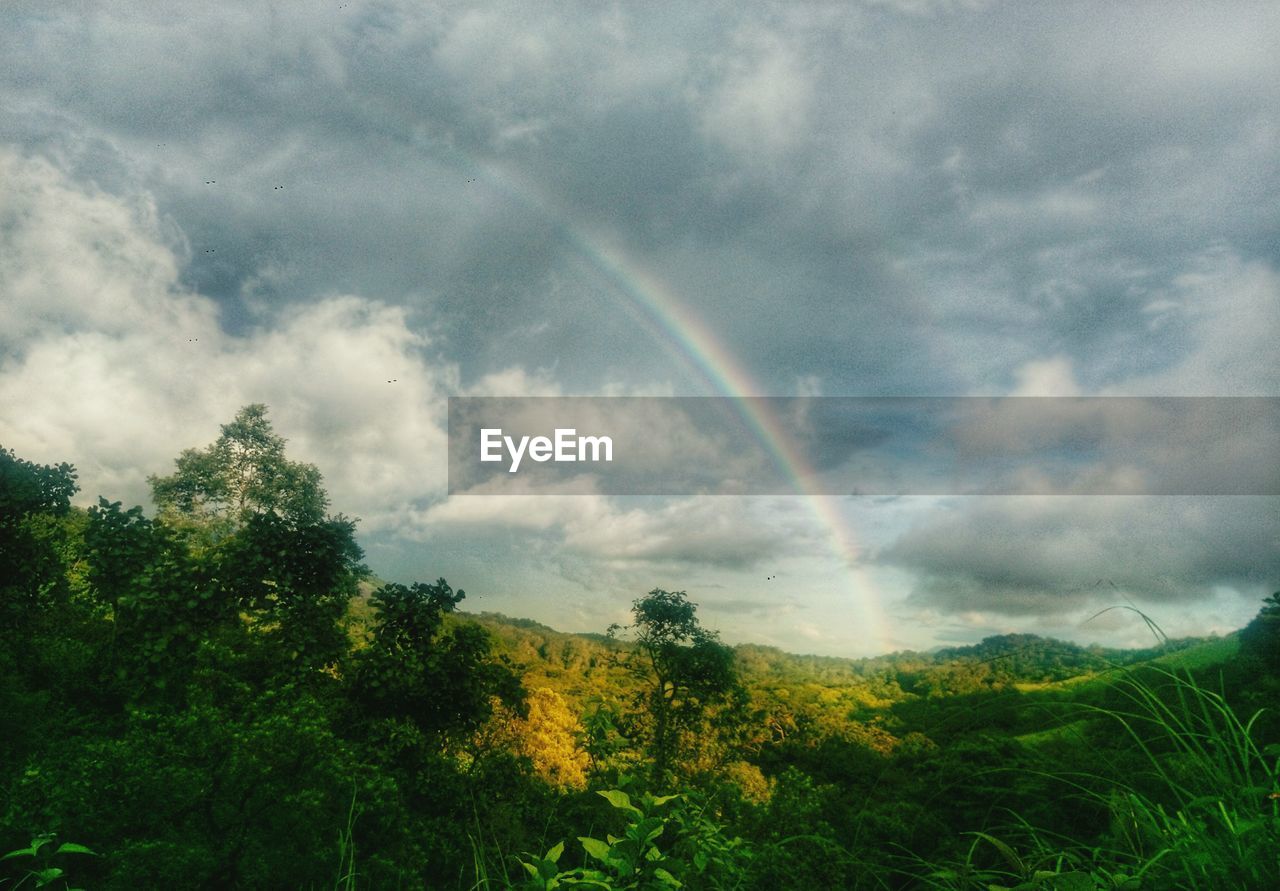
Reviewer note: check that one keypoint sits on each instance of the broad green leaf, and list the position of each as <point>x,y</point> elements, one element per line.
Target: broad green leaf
<point>667,878</point>
<point>554,854</point>
<point>45,876</point>
<point>594,847</point>
<point>620,800</point>
<point>73,848</point>
<point>647,829</point>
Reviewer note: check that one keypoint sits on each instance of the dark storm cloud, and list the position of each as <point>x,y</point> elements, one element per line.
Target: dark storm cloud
<point>888,202</point>
<point>909,198</point>
<point>1051,557</point>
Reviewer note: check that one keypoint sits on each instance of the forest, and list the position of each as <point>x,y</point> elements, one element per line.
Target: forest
<point>219,694</point>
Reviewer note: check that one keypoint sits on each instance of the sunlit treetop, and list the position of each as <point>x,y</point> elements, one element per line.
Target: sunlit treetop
<point>243,473</point>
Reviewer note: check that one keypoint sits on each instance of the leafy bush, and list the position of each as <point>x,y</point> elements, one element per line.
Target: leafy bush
<point>697,854</point>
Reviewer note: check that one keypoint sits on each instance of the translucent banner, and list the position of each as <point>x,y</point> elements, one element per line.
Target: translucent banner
<point>876,446</point>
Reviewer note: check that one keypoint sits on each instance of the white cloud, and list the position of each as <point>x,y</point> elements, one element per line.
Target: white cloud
<point>120,367</point>
<point>132,368</point>
<point>1049,377</point>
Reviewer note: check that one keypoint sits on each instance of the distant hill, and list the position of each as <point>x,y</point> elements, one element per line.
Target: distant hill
<point>578,665</point>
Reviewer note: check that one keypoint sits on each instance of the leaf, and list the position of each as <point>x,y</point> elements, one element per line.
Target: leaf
<point>1007,852</point>
<point>594,847</point>
<point>620,800</point>
<point>667,878</point>
<point>554,854</point>
<point>646,830</point>
<point>36,844</point>
<point>663,799</point>
<point>73,848</point>
<point>45,876</point>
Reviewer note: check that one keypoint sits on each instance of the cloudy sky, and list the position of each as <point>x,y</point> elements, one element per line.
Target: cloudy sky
<point>352,211</point>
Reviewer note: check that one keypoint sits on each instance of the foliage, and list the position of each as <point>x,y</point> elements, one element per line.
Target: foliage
<point>30,578</point>
<point>698,854</point>
<point>1260,639</point>
<point>550,736</point>
<point>1200,812</point>
<point>440,680</point>
<point>683,670</point>
<point>44,873</point>
<point>218,695</point>
<point>243,473</point>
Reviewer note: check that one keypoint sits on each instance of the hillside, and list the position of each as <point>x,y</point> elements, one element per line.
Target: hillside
<point>221,696</point>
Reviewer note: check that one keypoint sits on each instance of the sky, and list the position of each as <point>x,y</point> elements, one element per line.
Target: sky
<point>353,211</point>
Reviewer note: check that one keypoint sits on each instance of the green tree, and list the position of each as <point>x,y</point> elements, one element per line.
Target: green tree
<point>30,569</point>
<point>443,680</point>
<point>682,668</point>
<point>243,473</point>
<point>257,521</point>
<point>1261,637</point>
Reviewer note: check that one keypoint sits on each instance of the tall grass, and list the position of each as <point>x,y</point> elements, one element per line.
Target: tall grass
<point>1202,811</point>
<point>346,880</point>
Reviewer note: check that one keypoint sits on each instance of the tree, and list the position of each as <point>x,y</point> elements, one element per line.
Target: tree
<point>1261,637</point>
<point>243,473</point>
<point>272,551</point>
<point>443,681</point>
<point>683,669</point>
<point>29,565</point>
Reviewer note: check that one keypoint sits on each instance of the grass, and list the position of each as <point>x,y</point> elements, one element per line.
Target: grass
<point>1202,812</point>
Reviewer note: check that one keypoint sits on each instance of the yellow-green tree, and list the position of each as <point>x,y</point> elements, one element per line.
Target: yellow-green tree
<point>683,670</point>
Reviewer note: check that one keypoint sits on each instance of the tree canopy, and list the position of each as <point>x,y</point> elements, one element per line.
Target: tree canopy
<point>243,473</point>
<point>684,670</point>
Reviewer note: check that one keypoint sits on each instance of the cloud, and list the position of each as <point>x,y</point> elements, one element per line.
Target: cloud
<point>852,194</point>
<point>1047,556</point>
<point>119,367</point>
<point>918,197</point>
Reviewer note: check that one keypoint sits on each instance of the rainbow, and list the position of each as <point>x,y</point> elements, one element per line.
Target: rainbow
<point>653,304</point>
